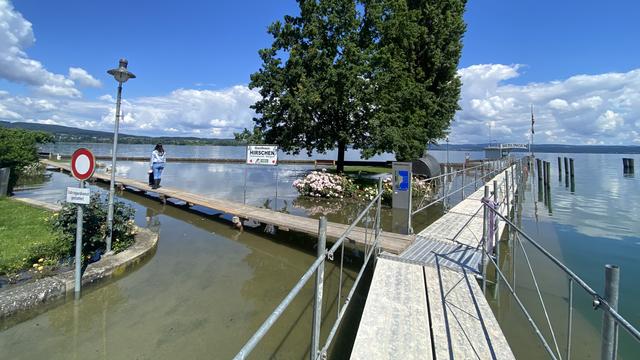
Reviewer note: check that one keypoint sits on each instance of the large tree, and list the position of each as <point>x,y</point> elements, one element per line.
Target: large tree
<point>310,80</point>
<point>376,75</point>
<point>415,49</point>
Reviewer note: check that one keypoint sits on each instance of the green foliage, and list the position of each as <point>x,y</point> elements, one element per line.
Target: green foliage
<point>248,137</point>
<point>378,75</point>
<point>18,150</point>
<point>310,100</point>
<point>415,47</point>
<point>94,228</point>
<point>25,237</point>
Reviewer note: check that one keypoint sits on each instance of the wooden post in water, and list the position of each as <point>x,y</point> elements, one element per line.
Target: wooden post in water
<point>544,173</point>
<point>571,167</point>
<point>539,168</point>
<point>559,169</point>
<point>548,174</point>
<point>566,167</point>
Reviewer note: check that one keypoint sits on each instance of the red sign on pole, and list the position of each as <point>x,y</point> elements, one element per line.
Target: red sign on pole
<point>83,164</point>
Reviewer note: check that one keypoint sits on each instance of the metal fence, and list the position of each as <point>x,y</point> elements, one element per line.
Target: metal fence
<point>372,229</point>
<point>607,303</point>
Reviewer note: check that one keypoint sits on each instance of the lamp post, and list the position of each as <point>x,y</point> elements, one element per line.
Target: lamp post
<point>447,151</point>
<point>121,74</point>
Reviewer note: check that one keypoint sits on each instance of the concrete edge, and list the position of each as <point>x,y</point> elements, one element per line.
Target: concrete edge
<point>39,293</point>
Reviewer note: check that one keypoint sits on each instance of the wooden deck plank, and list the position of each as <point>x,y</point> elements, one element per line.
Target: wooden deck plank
<point>463,324</point>
<point>390,242</point>
<point>395,321</point>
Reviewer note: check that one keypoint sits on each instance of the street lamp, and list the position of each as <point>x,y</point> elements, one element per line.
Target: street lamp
<point>121,74</point>
<point>447,151</point>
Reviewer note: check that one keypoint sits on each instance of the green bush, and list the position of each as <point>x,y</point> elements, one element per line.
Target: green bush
<point>18,149</point>
<point>94,228</point>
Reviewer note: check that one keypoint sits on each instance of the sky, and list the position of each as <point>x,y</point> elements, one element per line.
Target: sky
<point>576,62</point>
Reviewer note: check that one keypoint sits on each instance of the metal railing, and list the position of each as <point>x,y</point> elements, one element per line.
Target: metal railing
<point>612,320</point>
<point>372,230</point>
<point>445,182</point>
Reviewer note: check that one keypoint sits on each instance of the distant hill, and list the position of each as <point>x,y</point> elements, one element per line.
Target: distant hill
<point>71,134</point>
<point>550,148</point>
<point>75,135</point>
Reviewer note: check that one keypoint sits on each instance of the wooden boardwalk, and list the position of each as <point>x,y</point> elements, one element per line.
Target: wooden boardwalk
<point>426,303</point>
<point>390,242</point>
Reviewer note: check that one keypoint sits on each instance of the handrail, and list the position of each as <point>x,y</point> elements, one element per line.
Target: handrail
<point>601,302</point>
<point>275,315</point>
<point>447,195</point>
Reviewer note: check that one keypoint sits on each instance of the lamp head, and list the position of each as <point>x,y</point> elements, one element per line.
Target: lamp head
<point>121,74</point>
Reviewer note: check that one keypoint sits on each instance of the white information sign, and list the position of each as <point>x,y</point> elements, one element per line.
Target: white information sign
<point>78,195</point>
<point>262,154</point>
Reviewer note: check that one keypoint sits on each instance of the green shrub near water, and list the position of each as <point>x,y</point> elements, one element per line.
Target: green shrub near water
<point>18,149</point>
<point>94,229</point>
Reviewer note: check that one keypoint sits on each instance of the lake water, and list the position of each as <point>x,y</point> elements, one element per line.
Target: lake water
<point>593,225</point>
<point>209,287</point>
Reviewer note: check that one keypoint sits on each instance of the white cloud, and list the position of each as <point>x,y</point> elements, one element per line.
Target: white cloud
<point>16,35</point>
<point>599,109</point>
<point>83,78</point>
<point>183,112</point>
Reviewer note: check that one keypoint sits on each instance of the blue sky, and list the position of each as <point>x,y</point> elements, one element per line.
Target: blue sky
<point>575,61</point>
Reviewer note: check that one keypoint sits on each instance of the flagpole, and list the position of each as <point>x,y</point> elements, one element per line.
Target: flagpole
<point>532,131</point>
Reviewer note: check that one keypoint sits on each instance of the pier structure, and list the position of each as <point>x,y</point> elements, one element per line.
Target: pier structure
<point>426,302</point>
<point>389,241</point>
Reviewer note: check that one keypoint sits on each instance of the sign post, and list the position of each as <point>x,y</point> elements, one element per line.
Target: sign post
<point>83,165</point>
<point>261,155</point>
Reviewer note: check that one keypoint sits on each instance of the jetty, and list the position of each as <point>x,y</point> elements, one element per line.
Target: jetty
<point>389,242</point>
<point>426,303</point>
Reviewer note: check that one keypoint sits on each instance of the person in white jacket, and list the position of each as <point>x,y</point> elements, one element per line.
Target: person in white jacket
<point>158,160</point>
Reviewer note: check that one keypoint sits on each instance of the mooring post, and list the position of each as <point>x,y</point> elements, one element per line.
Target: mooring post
<point>548,174</point>
<point>317,300</point>
<point>566,167</point>
<point>571,168</point>
<point>544,173</point>
<point>559,168</point>
<point>539,168</point>
<point>609,326</point>
<point>485,235</point>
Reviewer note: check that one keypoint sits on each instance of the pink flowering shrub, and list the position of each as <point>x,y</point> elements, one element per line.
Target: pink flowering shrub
<point>323,184</point>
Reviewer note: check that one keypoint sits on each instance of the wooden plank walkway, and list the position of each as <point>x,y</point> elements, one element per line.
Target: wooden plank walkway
<point>390,242</point>
<point>426,303</point>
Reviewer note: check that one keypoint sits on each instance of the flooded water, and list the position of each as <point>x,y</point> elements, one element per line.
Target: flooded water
<point>209,287</point>
<point>586,225</point>
<point>201,296</point>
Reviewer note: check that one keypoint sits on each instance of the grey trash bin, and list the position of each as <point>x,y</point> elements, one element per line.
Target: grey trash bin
<point>4,181</point>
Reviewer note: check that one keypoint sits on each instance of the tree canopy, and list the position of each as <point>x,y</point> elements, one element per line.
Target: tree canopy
<point>376,75</point>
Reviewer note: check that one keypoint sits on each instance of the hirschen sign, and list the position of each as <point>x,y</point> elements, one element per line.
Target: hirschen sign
<point>262,154</point>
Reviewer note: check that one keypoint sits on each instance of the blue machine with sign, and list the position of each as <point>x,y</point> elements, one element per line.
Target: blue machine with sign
<point>401,199</point>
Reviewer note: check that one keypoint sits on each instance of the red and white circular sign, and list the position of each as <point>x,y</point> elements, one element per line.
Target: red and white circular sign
<point>83,164</point>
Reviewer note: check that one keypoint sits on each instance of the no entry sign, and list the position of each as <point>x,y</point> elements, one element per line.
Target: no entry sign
<point>83,164</point>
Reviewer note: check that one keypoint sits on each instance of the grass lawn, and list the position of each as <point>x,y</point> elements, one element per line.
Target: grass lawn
<point>25,236</point>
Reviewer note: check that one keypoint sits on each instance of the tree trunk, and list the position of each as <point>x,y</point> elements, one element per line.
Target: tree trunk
<point>340,163</point>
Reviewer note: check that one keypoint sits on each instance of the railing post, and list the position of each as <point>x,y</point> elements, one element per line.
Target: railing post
<point>507,193</point>
<point>609,350</point>
<point>379,224</point>
<point>463,173</point>
<point>496,233</point>
<point>317,300</point>
<point>485,235</point>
